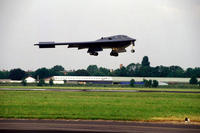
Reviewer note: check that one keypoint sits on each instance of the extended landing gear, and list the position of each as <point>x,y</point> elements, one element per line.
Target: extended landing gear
<point>113,53</point>
<point>94,53</point>
<point>133,47</point>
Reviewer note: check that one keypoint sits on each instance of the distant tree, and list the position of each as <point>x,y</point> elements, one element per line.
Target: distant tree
<point>189,72</point>
<point>150,83</point>
<point>58,68</point>
<point>81,72</point>
<point>146,83</point>
<point>17,74</point>
<point>24,82</point>
<point>4,74</point>
<point>154,72</point>
<point>123,71</point>
<point>145,61</point>
<point>41,82</point>
<point>145,71</point>
<point>197,71</point>
<point>137,71</point>
<point>42,73</point>
<point>163,71</point>
<point>155,83</point>
<point>30,74</point>
<point>104,71</point>
<point>71,73</point>
<point>132,83</point>
<point>193,80</point>
<point>51,82</point>
<point>120,72</point>
<point>92,70</point>
<point>56,73</point>
<point>131,69</point>
<point>176,71</point>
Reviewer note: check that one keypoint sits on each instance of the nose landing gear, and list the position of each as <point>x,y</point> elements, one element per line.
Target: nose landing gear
<point>133,46</point>
<point>132,51</point>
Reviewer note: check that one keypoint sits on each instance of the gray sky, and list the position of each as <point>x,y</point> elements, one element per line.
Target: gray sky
<point>167,31</point>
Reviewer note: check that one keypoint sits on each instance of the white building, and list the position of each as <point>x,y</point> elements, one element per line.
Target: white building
<point>30,80</point>
<point>80,79</point>
<point>113,80</point>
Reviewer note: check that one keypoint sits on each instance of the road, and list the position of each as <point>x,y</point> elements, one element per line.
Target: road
<point>83,126</point>
<point>95,90</point>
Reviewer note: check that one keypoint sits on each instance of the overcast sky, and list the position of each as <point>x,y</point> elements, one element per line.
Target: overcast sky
<point>167,31</point>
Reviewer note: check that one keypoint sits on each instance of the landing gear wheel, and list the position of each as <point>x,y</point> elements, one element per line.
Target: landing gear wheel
<point>114,54</point>
<point>94,53</point>
<point>132,51</point>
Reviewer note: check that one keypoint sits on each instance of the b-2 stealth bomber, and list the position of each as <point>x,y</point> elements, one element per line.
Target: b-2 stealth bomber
<point>117,43</point>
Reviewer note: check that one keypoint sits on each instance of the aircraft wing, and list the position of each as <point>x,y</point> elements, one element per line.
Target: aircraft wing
<point>70,44</point>
<point>80,45</point>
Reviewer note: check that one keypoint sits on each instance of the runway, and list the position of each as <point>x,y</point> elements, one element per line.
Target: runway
<point>94,90</point>
<point>83,126</point>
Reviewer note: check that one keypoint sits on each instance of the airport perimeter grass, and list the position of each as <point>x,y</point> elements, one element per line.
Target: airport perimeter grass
<point>99,105</point>
<point>103,88</point>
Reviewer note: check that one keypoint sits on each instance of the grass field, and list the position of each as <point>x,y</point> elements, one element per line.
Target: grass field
<point>104,88</point>
<point>99,105</point>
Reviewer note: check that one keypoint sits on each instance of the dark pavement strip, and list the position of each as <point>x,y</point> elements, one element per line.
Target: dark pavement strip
<point>43,126</point>
<point>95,90</point>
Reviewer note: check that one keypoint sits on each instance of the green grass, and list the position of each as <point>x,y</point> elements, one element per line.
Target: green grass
<point>105,88</point>
<point>173,86</point>
<point>99,105</point>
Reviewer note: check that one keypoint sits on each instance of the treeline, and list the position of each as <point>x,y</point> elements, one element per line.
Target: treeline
<point>142,69</point>
<point>41,73</point>
<point>139,70</point>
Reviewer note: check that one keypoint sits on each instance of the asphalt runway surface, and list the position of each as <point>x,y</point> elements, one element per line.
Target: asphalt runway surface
<point>94,90</point>
<point>89,126</point>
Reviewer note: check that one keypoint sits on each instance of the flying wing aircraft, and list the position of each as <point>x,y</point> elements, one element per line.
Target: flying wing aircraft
<point>117,43</point>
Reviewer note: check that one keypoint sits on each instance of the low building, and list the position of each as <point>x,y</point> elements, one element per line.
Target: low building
<point>112,80</point>
<point>9,81</point>
<point>80,79</point>
<point>30,80</point>
<point>159,79</point>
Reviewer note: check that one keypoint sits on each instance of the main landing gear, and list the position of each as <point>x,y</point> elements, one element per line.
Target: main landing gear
<point>113,53</point>
<point>94,53</point>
